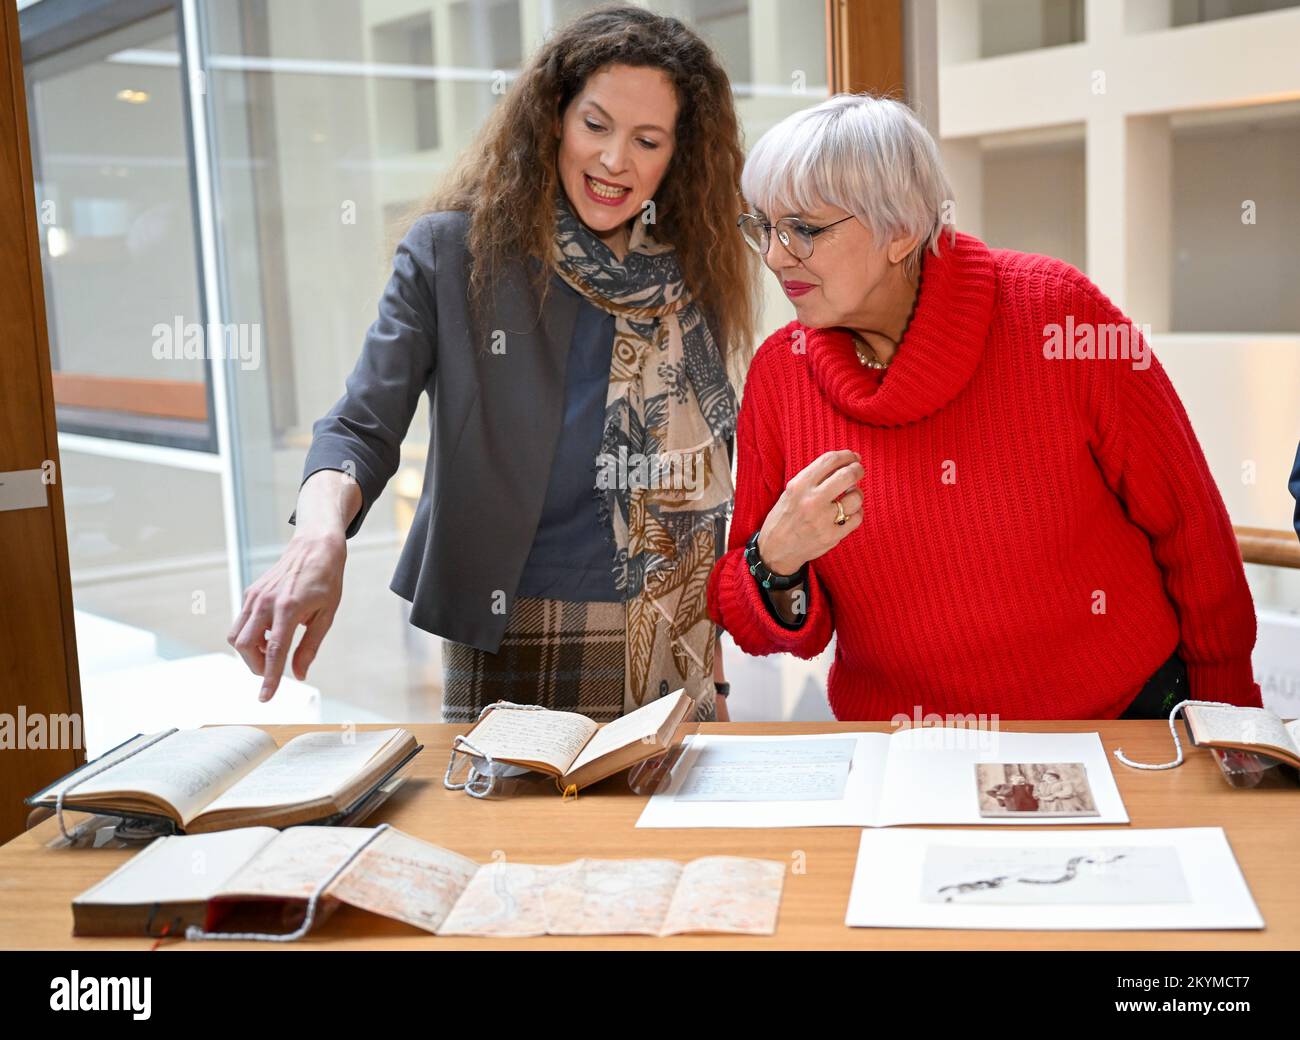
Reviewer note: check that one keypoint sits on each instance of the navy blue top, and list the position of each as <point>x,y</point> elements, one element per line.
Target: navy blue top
<point>572,557</point>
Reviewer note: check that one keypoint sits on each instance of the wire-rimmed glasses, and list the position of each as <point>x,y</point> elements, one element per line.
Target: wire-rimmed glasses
<point>793,233</point>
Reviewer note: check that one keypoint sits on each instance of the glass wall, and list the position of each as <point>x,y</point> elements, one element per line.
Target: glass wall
<point>1012,26</point>
<point>141,477</point>
<point>1193,12</point>
<point>109,148</point>
<point>318,127</point>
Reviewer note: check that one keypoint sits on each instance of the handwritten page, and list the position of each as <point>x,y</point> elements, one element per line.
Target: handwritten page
<point>856,807</point>
<point>553,737</point>
<point>1238,725</point>
<point>643,724</point>
<point>188,769</point>
<point>805,770</point>
<point>310,766</point>
<point>406,879</point>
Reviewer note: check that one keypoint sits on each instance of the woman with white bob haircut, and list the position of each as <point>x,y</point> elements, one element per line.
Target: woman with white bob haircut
<point>964,461</point>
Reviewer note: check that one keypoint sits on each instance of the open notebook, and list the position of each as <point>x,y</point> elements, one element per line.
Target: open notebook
<point>1244,729</point>
<point>572,748</point>
<point>259,879</point>
<point>221,777</point>
<point>923,775</point>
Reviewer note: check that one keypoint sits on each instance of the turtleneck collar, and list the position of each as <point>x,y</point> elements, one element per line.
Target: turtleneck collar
<point>939,351</point>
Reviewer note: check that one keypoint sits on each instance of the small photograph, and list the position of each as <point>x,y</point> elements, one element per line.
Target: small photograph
<point>1034,789</point>
<point>1118,875</point>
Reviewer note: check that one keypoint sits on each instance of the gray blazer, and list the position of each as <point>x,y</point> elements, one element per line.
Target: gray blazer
<point>496,407</point>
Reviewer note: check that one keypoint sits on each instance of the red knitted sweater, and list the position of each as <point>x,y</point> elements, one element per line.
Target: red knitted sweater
<point>1040,532</point>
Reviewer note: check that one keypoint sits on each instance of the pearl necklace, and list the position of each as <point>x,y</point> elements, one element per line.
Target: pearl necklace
<point>869,361</point>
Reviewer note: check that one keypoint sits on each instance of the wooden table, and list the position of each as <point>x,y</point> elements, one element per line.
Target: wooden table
<point>37,883</point>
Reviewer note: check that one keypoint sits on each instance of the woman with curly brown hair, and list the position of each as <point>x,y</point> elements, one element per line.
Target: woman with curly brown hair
<point>571,303</point>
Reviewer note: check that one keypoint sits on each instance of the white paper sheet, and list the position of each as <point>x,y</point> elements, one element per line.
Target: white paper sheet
<point>1169,878</point>
<point>918,776</point>
<point>792,770</point>
<point>855,809</point>
<point>930,777</point>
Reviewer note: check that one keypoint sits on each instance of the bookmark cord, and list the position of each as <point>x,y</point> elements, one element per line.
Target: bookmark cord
<point>58,800</point>
<point>195,932</point>
<point>1173,730</point>
<point>478,783</point>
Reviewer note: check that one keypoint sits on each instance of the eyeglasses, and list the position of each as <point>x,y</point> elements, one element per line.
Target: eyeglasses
<point>793,233</point>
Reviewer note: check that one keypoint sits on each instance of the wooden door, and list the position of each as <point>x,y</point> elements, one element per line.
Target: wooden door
<point>40,692</point>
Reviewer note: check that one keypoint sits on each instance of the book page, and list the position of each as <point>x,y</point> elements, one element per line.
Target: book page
<point>770,770</point>
<point>295,862</point>
<point>409,880</point>
<point>179,868</point>
<point>103,762</point>
<point>502,899</point>
<point>553,737</point>
<point>786,803</point>
<point>188,769</point>
<point>726,894</point>
<point>640,725</point>
<point>1235,725</point>
<point>609,896</point>
<point>310,766</point>
<point>931,775</point>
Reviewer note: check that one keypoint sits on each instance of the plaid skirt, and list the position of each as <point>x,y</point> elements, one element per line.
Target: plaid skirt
<point>563,656</point>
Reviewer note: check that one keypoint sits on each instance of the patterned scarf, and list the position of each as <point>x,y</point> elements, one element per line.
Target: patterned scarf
<point>663,479</point>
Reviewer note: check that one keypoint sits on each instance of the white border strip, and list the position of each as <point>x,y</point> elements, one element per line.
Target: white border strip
<point>221,397</point>
<point>132,451</point>
<point>394,70</point>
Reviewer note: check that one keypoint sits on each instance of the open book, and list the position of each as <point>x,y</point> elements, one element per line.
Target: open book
<point>922,775</point>
<point>1244,729</point>
<point>260,879</point>
<point>221,777</point>
<point>571,747</point>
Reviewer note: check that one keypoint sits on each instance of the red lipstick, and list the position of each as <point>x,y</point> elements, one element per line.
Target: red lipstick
<point>610,194</point>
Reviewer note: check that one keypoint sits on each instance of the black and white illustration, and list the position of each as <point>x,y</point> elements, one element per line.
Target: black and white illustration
<point>1111,874</point>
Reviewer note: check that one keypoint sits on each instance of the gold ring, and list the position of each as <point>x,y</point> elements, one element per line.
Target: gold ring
<point>840,518</point>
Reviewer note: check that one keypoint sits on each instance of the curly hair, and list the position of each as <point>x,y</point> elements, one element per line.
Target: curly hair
<point>507,179</point>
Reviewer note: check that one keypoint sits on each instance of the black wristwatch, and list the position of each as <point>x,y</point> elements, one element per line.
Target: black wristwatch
<point>764,576</point>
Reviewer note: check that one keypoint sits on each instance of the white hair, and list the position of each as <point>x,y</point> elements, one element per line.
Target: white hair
<point>867,155</point>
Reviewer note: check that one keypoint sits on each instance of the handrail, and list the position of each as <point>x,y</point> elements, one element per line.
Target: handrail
<point>1268,547</point>
<point>165,398</point>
